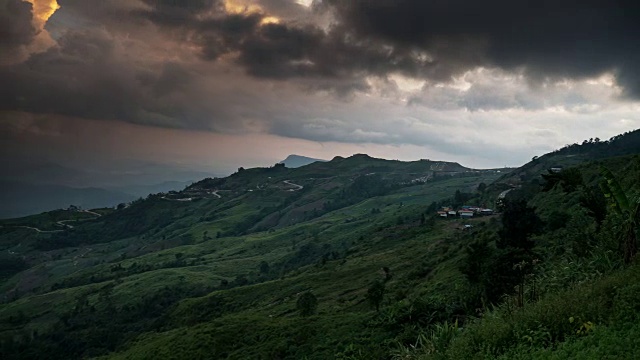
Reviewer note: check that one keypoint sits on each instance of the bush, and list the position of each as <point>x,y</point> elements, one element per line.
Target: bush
<point>307,304</point>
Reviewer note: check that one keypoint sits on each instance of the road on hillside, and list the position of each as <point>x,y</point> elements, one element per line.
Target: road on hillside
<point>60,223</point>
<point>183,200</point>
<point>298,187</point>
<point>91,212</point>
<point>503,194</point>
<point>38,230</point>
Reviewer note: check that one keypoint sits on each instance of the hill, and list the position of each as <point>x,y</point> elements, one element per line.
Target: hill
<point>295,161</point>
<point>575,154</point>
<point>342,259</point>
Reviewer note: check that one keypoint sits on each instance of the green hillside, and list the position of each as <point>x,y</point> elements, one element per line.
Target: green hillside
<point>343,259</point>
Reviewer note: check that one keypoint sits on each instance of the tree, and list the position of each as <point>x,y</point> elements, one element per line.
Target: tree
<point>519,221</point>
<point>375,294</point>
<point>594,201</point>
<point>569,179</point>
<point>307,304</point>
<point>628,208</point>
<point>264,267</point>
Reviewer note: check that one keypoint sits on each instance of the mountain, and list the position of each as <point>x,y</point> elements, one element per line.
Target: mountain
<point>131,174</point>
<point>295,161</point>
<point>340,259</point>
<point>21,198</point>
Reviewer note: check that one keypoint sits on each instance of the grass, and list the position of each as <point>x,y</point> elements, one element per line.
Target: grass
<point>221,304</point>
<point>591,320</point>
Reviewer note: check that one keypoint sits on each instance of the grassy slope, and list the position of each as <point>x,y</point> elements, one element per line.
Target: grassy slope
<point>184,249</point>
<point>259,320</point>
<point>589,307</point>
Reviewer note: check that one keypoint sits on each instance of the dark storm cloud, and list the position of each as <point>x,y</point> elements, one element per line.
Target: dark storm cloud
<point>75,79</point>
<point>281,51</point>
<point>335,59</point>
<point>426,39</point>
<point>559,38</point>
<point>90,73</point>
<point>16,28</point>
<point>83,77</point>
<point>177,13</point>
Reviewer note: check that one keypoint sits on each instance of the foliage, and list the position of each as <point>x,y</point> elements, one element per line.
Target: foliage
<point>628,209</point>
<point>519,222</point>
<point>147,280</point>
<point>375,294</point>
<point>307,304</point>
<point>568,179</point>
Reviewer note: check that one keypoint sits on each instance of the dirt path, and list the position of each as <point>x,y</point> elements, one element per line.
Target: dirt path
<point>60,223</point>
<point>182,200</point>
<point>38,230</point>
<point>91,212</point>
<point>503,194</point>
<point>299,187</point>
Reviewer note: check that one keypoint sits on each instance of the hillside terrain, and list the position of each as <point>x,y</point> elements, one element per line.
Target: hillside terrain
<point>344,259</point>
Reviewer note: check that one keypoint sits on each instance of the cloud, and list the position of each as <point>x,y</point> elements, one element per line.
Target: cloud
<point>560,38</point>
<point>16,29</point>
<point>494,89</point>
<point>448,76</point>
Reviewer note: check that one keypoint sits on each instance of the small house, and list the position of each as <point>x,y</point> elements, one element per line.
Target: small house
<point>465,213</point>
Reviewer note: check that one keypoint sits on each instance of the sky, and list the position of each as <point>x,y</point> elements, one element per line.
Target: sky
<point>212,85</point>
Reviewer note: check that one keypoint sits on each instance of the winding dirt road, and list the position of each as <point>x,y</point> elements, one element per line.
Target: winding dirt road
<point>298,187</point>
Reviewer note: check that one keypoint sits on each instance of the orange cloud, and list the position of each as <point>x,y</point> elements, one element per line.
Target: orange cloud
<point>42,11</point>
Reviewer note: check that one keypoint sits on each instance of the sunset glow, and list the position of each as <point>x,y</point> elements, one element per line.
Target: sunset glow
<point>42,11</point>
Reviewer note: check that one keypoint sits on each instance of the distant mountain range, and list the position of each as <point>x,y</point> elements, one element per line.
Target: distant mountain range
<point>31,186</point>
<point>21,199</point>
<point>295,161</point>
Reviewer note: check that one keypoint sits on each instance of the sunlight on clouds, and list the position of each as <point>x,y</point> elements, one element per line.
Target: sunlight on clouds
<point>269,20</point>
<point>242,7</point>
<point>407,84</point>
<point>607,79</point>
<point>42,11</point>
<point>239,7</point>
<point>306,3</point>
